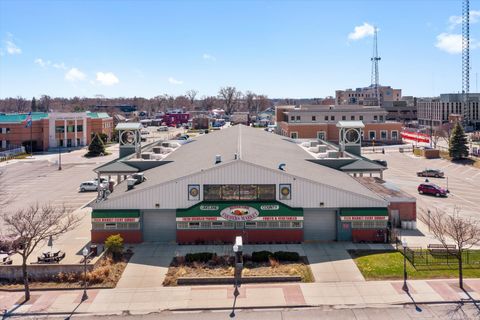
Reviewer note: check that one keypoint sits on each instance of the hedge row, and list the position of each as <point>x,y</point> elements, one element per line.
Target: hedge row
<point>199,257</point>
<point>264,256</point>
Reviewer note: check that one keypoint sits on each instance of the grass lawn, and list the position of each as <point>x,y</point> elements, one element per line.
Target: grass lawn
<point>378,265</point>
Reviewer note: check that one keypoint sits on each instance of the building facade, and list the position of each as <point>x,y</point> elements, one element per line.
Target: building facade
<point>319,122</point>
<point>434,112</point>
<point>367,96</point>
<point>51,130</point>
<point>240,181</point>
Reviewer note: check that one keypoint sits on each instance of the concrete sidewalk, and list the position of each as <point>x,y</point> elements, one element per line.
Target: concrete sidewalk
<point>154,299</point>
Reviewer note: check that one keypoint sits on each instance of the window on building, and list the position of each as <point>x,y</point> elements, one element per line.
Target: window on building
<point>80,128</point>
<point>237,192</point>
<point>381,118</point>
<point>60,129</point>
<point>321,135</point>
<point>326,118</point>
<point>394,134</point>
<point>383,134</point>
<point>314,118</point>
<point>372,135</point>
<point>294,135</point>
<point>70,128</point>
<point>332,118</point>
<point>352,117</point>
<point>375,118</point>
<point>298,118</point>
<point>292,118</point>
<point>360,117</point>
<point>344,117</point>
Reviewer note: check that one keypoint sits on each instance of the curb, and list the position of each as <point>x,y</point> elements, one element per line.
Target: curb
<point>55,289</point>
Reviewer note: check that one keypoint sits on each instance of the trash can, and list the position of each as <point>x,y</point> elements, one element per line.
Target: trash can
<point>93,250</point>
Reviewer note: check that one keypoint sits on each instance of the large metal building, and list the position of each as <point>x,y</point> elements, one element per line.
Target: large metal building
<point>240,181</point>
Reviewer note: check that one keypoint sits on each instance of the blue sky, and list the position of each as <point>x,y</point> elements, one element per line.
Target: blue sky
<point>279,48</point>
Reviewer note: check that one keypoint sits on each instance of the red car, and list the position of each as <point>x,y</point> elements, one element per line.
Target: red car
<point>433,189</point>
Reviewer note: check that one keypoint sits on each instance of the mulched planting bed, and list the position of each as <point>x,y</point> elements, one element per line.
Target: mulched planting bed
<point>105,275</point>
<point>223,266</point>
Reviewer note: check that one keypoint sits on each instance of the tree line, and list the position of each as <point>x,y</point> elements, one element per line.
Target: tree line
<point>228,98</point>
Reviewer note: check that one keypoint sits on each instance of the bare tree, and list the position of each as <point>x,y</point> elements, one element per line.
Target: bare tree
<point>34,225</point>
<point>191,95</point>
<point>230,96</point>
<point>21,104</point>
<point>463,232</point>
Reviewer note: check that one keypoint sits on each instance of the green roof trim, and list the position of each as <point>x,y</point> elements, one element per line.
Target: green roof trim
<point>364,212</point>
<point>115,213</point>
<point>20,117</point>
<point>97,115</point>
<point>265,209</point>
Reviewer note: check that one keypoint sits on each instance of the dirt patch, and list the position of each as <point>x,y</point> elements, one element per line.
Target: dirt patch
<point>105,275</point>
<point>224,267</point>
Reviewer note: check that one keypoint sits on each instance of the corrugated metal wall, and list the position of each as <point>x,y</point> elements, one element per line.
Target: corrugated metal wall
<point>305,193</point>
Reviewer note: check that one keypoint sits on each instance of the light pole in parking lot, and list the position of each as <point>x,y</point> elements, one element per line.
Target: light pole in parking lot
<point>59,156</point>
<point>85,256</point>
<point>238,251</point>
<point>404,245</point>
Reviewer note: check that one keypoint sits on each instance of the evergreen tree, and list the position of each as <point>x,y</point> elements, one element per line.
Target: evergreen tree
<point>458,148</point>
<point>34,105</point>
<point>96,147</point>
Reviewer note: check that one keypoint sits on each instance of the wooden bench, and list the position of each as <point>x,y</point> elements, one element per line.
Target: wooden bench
<point>441,249</point>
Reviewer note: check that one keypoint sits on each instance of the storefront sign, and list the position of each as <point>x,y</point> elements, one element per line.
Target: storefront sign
<point>239,213</point>
<point>364,218</point>
<point>270,207</point>
<point>190,219</point>
<point>280,218</point>
<point>115,219</point>
<point>208,208</point>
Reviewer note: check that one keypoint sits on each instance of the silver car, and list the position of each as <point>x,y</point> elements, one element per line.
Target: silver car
<point>89,186</point>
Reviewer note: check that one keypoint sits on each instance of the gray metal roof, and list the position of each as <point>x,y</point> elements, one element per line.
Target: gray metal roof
<point>116,167</point>
<point>362,165</point>
<point>350,124</point>
<point>129,126</point>
<point>253,146</point>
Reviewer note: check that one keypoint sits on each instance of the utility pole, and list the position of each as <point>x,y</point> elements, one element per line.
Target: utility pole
<point>466,61</point>
<point>375,73</point>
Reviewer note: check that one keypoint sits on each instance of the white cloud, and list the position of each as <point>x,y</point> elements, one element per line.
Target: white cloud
<point>40,62</point>
<point>174,81</point>
<point>207,56</point>
<point>362,31</point>
<point>12,47</point>
<point>75,75</point>
<point>454,21</point>
<point>61,66</point>
<point>107,78</point>
<point>452,43</point>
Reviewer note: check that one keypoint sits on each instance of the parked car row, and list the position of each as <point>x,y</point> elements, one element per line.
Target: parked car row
<point>434,173</point>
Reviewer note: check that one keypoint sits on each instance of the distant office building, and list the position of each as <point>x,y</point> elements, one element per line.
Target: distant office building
<point>437,111</point>
<point>50,130</point>
<point>317,121</point>
<point>404,110</point>
<point>367,96</point>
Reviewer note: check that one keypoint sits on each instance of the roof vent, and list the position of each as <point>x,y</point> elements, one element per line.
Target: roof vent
<point>281,166</point>
<point>218,158</point>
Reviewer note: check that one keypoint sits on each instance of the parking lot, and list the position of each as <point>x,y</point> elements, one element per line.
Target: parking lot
<point>463,181</point>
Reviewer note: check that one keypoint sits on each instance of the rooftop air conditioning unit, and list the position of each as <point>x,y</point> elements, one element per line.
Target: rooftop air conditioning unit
<point>131,183</point>
<point>313,143</point>
<point>322,148</point>
<point>332,154</point>
<point>313,149</point>
<point>157,150</point>
<point>146,156</point>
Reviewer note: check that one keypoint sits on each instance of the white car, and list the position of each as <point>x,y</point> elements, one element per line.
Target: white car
<point>90,186</point>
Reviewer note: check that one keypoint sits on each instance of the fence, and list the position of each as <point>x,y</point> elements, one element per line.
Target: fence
<point>427,257</point>
<point>11,153</point>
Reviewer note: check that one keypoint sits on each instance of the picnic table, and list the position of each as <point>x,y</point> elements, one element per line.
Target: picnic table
<point>48,256</point>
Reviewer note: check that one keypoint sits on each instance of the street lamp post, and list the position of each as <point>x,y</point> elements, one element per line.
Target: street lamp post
<point>405,287</point>
<point>238,251</point>
<point>59,157</point>
<point>85,256</point>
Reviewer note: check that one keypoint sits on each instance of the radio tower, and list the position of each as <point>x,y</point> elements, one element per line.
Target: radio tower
<point>466,59</point>
<point>375,76</point>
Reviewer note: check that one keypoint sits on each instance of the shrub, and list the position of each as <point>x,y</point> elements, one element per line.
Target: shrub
<point>114,245</point>
<point>286,256</point>
<point>261,256</point>
<point>199,257</point>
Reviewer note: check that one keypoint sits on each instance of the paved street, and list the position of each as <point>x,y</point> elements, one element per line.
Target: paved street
<point>449,311</point>
<point>463,181</point>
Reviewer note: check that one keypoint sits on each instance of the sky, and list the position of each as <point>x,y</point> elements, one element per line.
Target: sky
<point>284,49</point>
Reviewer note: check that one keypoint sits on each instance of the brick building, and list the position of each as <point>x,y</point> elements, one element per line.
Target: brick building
<point>316,121</point>
<point>50,130</point>
<point>367,96</point>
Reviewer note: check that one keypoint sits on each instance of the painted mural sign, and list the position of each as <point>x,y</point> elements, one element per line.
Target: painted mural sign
<point>239,213</point>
